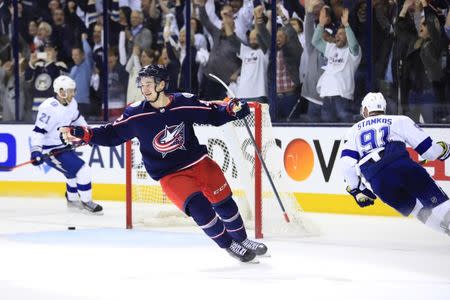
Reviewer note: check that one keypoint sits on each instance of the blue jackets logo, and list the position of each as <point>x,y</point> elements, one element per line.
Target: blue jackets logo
<point>8,150</point>
<point>169,139</point>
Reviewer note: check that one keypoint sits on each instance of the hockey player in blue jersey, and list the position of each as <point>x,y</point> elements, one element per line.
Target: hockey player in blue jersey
<point>375,149</point>
<point>163,123</point>
<point>57,111</point>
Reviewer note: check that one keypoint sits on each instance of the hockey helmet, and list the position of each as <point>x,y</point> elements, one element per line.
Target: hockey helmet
<point>158,72</point>
<point>373,102</point>
<point>63,82</point>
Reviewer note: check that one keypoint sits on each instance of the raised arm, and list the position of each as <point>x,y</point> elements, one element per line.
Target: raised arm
<point>351,38</point>
<point>263,34</point>
<point>317,39</point>
<point>204,19</point>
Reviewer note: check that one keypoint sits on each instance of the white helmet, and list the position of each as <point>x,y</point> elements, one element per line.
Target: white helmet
<point>373,102</point>
<point>63,82</point>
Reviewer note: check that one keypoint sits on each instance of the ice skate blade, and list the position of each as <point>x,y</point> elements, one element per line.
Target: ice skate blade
<point>265,255</point>
<point>86,212</point>
<point>74,206</point>
<point>252,262</point>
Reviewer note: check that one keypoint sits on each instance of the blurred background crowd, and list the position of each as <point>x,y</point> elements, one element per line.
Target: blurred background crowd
<point>310,60</point>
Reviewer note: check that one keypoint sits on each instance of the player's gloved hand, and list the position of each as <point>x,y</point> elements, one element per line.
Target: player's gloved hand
<point>363,197</point>
<point>445,150</point>
<point>75,134</point>
<point>237,108</point>
<point>37,158</point>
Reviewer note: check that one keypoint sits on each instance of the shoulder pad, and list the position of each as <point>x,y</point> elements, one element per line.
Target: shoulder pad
<point>61,64</point>
<point>187,95</point>
<point>135,104</point>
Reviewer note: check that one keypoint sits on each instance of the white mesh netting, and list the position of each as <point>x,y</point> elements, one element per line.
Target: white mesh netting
<point>231,147</point>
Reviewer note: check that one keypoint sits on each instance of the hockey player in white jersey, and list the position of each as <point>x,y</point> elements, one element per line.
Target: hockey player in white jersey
<point>375,149</point>
<point>55,112</point>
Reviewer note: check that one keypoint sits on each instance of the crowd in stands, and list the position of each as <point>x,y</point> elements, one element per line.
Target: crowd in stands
<point>327,54</point>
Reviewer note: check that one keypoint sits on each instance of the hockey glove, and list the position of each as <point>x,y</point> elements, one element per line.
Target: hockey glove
<point>363,197</point>
<point>37,158</point>
<point>445,150</point>
<point>75,134</point>
<point>237,108</point>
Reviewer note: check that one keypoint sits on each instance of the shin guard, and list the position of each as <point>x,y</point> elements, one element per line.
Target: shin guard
<point>203,214</point>
<point>228,211</point>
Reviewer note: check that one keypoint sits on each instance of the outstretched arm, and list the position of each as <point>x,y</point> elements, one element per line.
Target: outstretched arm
<point>107,135</point>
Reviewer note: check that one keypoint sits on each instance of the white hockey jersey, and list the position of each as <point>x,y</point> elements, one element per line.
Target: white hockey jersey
<point>52,115</point>
<point>365,139</point>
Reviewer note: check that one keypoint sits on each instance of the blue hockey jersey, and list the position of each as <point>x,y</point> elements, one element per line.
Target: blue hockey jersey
<point>166,135</point>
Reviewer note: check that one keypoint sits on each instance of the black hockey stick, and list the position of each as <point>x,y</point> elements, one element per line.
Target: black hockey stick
<point>45,156</point>
<point>257,150</point>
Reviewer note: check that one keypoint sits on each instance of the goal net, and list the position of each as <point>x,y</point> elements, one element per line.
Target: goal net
<point>232,148</point>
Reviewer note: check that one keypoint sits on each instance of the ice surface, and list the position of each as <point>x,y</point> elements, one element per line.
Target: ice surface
<point>354,258</point>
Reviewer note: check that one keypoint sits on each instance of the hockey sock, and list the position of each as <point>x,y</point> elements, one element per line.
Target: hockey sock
<point>433,218</point>
<point>71,188</point>
<point>442,214</point>
<point>84,183</point>
<point>201,211</point>
<point>228,211</point>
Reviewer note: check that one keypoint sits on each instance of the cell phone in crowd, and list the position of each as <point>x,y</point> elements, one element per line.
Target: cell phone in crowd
<point>41,55</point>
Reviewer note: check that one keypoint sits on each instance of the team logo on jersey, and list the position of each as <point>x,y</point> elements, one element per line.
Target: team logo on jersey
<point>169,139</point>
<point>43,82</point>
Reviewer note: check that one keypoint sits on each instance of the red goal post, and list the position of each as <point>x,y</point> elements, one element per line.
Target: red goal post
<point>229,145</point>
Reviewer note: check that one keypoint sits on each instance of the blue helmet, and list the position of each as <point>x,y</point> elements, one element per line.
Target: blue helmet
<point>158,72</point>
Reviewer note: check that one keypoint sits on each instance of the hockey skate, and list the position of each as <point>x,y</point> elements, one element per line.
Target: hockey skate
<point>73,204</point>
<point>258,248</point>
<point>241,253</point>
<point>92,207</point>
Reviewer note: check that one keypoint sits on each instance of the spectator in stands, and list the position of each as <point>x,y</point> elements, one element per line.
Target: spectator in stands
<point>125,16</point>
<point>43,68</point>
<point>314,65</point>
<point>422,75</point>
<point>385,56</point>
<point>225,48</point>
<point>252,83</point>
<point>337,83</point>
<point>137,60</point>
<point>195,64</point>
<point>117,84</point>
<point>169,60</point>
<point>358,23</point>
<point>67,29</point>
<point>31,34</point>
<point>133,4</point>
<point>97,44</point>
<point>22,17</point>
<point>43,36</point>
<point>5,18</point>
<point>240,10</point>
<point>46,11</point>
<point>7,92</point>
<point>81,73</point>
<point>288,55</point>
<point>138,35</point>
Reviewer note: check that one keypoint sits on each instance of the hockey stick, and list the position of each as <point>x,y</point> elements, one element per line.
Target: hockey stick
<point>45,156</point>
<point>257,150</point>
<point>288,119</point>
